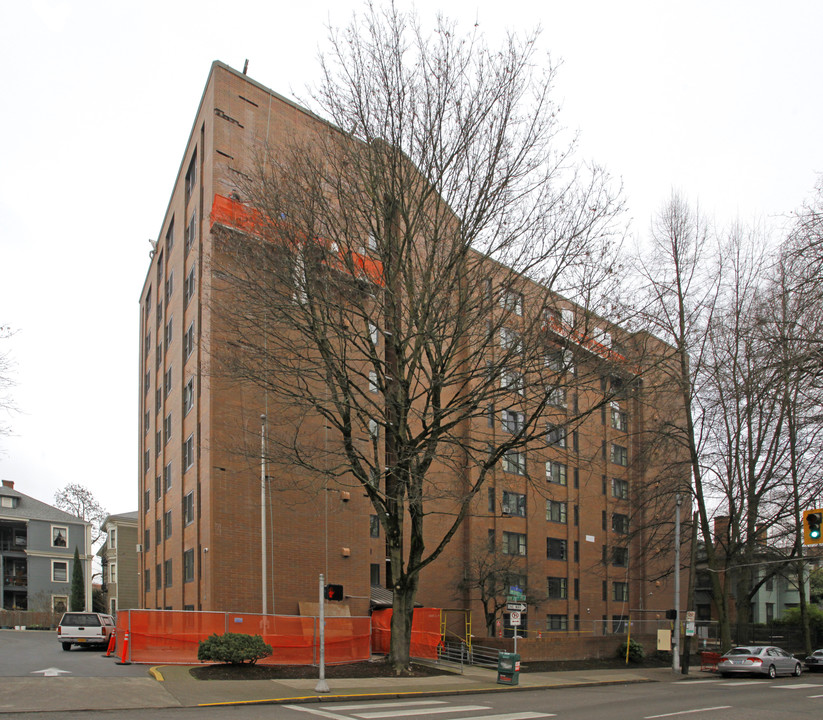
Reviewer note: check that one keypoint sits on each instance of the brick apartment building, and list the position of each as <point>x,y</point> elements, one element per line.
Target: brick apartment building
<point>200,500</point>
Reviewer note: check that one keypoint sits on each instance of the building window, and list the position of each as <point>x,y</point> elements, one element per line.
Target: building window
<point>188,287</point>
<point>492,502</point>
<point>620,523</point>
<point>148,300</point>
<point>188,341</point>
<point>188,508</point>
<point>620,420</point>
<point>191,175</point>
<point>557,622</point>
<point>514,543</point>
<point>113,539</point>
<point>159,313</point>
<point>167,573</point>
<point>514,461</point>
<point>620,624</point>
<point>512,301</point>
<point>169,335</point>
<point>158,488</point>
<point>188,452</point>
<point>620,591</point>
<point>374,526</point>
<point>169,286</point>
<point>167,428</point>
<point>620,455</point>
<point>373,382</point>
<point>512,380</point>
<point>188,566</point>
<point>112,572</point>
<point>191,231</point>
<point>188,396</point>
<point>146,499</point>
<point>492,540</point>
<point>514,504</point>
<point>555,511</point>
<point>168,379</point>
<point>557,397</point>
<point>556,472</point>
<point>147,580</point>
<point>374,429</point>
<point>556,549</point>
<point>374,574</point>
<point>146,461</point>
<point>620,489</point>
<point>167,524</point>
<point>557,588</point>
<point>510,340</point>
<point>556,435</point>
<point>158,356</point>
<point>59,603</point>
<point>146,422</point>
<point>158,442</point>
<point>158,530</point>
<point>170,236</point>
<point>512,421</point>
<point>59,571</point>
<point>620,557</point>
<point>147,539</point>
<point>59,536</point>
<point>158,576</point>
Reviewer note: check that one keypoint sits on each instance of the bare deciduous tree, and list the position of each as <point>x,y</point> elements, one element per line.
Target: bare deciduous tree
<point>80,502</point>
<point>400,282</point>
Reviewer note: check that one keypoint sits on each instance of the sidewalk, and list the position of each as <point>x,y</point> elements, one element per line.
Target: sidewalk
<point>173,686</point>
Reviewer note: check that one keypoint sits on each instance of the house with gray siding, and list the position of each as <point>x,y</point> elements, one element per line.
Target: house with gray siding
<point>37,543</point>
<point>118,556</point>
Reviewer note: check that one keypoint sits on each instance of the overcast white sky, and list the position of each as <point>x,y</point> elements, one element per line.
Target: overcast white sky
<point>721,100</point>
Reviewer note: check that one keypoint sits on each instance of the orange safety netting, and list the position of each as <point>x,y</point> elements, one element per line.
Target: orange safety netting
<point>425,635</point>
<point>173,636</point>
<point>234,214</point>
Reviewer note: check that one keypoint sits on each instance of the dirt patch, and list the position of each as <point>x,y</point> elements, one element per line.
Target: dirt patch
<point>372,669</point>
<point>381,668</point>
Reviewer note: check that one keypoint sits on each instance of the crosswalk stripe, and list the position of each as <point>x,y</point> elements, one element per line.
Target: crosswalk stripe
<point>422,711</point>
<point>397,703</point>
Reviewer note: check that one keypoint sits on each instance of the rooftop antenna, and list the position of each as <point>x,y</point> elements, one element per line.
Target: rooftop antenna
<point>246,66</point>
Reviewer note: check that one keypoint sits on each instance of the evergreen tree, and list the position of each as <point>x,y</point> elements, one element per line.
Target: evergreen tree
<point>77,601</point>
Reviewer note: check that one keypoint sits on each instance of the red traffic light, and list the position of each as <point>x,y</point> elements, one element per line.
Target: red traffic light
<point>333,592</point>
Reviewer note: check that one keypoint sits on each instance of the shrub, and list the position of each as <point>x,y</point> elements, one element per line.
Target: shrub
<point>233,648</point>
<point>635,651</point>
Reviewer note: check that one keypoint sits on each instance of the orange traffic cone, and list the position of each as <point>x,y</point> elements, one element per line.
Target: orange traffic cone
<point>123,660</point>
<point>112,644</point>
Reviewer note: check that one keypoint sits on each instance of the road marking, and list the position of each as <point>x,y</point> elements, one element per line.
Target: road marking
<point>703,682</point>
<point>814,696</point>
<point>321,713</point>
<point>422,711</point>
<point>50,672</point>
<point>688,712</point>
<point>799,686</point>
<point>399,703</point>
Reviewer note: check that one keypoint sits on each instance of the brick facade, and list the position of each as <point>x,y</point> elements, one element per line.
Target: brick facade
<point>200,493</point>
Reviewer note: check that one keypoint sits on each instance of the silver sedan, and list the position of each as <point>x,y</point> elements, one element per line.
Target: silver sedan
<point>759,660</point>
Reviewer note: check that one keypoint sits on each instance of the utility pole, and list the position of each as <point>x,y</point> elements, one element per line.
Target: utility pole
<point>676,643</point>
<point>322,685</point>
<point>263,512</point>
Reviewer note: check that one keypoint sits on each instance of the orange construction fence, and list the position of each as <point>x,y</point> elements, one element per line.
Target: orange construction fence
<point>425,636</point>
<point>173,636</point>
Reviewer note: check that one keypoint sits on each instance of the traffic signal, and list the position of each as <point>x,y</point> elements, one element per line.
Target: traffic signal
<point>812,521</point>
<point>334,592</point>
<point>671,614</point>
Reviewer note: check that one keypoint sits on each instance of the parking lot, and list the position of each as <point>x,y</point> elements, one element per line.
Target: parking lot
<point>29,653</point>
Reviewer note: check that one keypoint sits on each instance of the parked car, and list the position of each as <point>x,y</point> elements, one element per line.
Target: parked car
<point>814,663</point>
<point>759,660</point>
<point>84,628</point>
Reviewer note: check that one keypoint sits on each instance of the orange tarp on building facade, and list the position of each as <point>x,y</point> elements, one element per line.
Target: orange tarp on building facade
<point>173,636</point>
<point>425,636</point>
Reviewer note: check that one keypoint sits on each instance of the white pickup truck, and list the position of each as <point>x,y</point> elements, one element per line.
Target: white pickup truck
<point>84,628</point>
